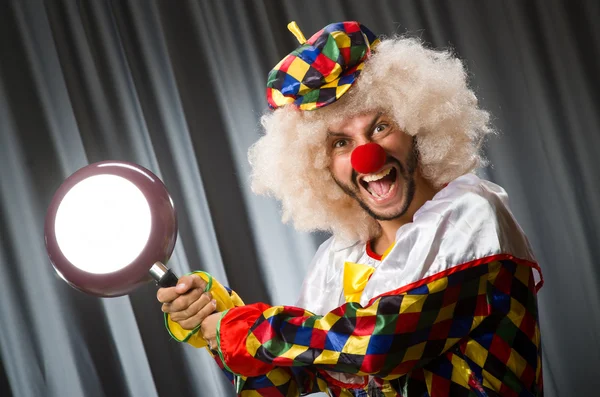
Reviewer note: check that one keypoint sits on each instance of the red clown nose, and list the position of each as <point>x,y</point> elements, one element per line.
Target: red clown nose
<point>368,158</point>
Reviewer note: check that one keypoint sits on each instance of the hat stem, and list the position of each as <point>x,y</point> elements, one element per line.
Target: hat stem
<point>295,29</point>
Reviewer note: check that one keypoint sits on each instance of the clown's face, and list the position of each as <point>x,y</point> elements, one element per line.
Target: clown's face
<point>387,193</point>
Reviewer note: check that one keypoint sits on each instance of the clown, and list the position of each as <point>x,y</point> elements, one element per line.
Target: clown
<point>427,286</point>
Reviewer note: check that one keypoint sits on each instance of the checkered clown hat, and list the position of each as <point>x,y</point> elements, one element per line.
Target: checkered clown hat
<point>323,68</point>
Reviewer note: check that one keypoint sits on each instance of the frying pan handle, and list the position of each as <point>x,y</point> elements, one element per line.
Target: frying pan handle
<point>163,276</point>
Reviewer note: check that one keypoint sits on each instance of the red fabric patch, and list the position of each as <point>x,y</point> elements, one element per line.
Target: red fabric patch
<point>504,281</point>
<point>351,27</point>
<point>283,361</point>
<point>286,63</point>
<point>440,330</point>
<point>451,295</point>
<point>373,363</point>
<point>270,97</point>
<point>407,322</point>
<point>318,338</point>
<point>475,383</point>
<point>500,349</point>
<point>323,64</point>
<point>345,51</point>
<point>528,325</point>
<point>506,391</point>
<point>264,332</point>
<point>528,376</point>
<point>270,392</point>
<point>234,329</point>
<point>298,321</point>
<point>294,311</point>
<point>340,311</point>
<point>440,386</point>
<point>482,307</point>
<point>364,326</point>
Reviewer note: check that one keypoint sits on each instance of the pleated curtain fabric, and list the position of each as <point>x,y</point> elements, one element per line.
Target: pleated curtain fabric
<point>178,87</point>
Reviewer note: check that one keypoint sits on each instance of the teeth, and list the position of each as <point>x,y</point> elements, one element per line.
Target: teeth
<point>376,177</point>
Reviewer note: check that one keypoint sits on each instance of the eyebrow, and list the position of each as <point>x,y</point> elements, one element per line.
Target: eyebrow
<point>369,128</point>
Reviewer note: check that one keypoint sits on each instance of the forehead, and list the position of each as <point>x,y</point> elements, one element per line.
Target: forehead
<point>359,121</point>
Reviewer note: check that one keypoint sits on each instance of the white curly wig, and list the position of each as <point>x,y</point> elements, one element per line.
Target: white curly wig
<point>424,90</point>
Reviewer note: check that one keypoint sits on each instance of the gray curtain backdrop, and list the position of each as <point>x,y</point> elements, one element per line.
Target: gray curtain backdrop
<point>178,86</point>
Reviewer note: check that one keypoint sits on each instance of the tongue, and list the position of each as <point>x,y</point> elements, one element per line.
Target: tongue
<point>381,187</point>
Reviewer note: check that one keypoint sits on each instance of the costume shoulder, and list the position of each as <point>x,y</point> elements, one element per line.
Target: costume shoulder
<point>466,222</point>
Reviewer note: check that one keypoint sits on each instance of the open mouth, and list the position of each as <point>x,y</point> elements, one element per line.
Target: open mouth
<point>380,185</point>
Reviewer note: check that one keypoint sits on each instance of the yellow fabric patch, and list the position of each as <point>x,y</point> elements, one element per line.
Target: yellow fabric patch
<point>450,342</point>
<point>298,68</point>
<point>460,371</point>
<point>306,106</point>
<point>517,312</point>
<point>342,39</point>
<point>328,357</point>
<point>271,311</point>
<point>412,303</point>
<point>356,277</point>
<point>491,381</point>
<point>332,83</point>
<point>294,351</point>
<point>516,363</point>
<point>357,345</point>
<point>252,344</point>
<point>333,76</point>
<point>280,98</point>
<point>414,352</point>
<point>180,334</point>
<point>438,285</point>
<point>476,352</point>
<point>523,273</point>
<point>428,380</point>
<point>389,249</point>
<point>476,321</point>
<point>326,322</point>
<point>445,313</point>
<point>369,311</point>
<point>279,378</point>
<point>303,89</point>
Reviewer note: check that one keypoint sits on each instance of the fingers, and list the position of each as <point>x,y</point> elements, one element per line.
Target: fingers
<point>209,327</point>
<point>185,283</point>
<point>187,305</point>
<point>197,319</point>
<point>188,282</point>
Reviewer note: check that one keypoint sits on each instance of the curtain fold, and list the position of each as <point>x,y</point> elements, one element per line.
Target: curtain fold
<point>178,87</point>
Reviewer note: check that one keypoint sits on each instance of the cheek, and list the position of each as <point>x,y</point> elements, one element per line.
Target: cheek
<point>399,147</point>
<point>340,167</point>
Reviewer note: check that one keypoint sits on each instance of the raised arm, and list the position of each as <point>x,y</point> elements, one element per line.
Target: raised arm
<point>397,332</point>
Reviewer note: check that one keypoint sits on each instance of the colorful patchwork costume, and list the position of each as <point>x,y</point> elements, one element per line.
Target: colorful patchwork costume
<point>449,310</point>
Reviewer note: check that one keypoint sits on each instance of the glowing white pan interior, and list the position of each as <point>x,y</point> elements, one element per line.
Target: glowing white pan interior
<point>110,227</point>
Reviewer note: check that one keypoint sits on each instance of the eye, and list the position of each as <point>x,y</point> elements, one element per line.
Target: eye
<point>380,128</point>
<point>339,143</point>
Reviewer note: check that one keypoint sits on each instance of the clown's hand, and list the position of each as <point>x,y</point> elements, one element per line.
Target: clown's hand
<point>209,330</point>
<point>187,304</point>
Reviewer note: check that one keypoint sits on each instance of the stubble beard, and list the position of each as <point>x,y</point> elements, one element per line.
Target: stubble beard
<point>407,173</point>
